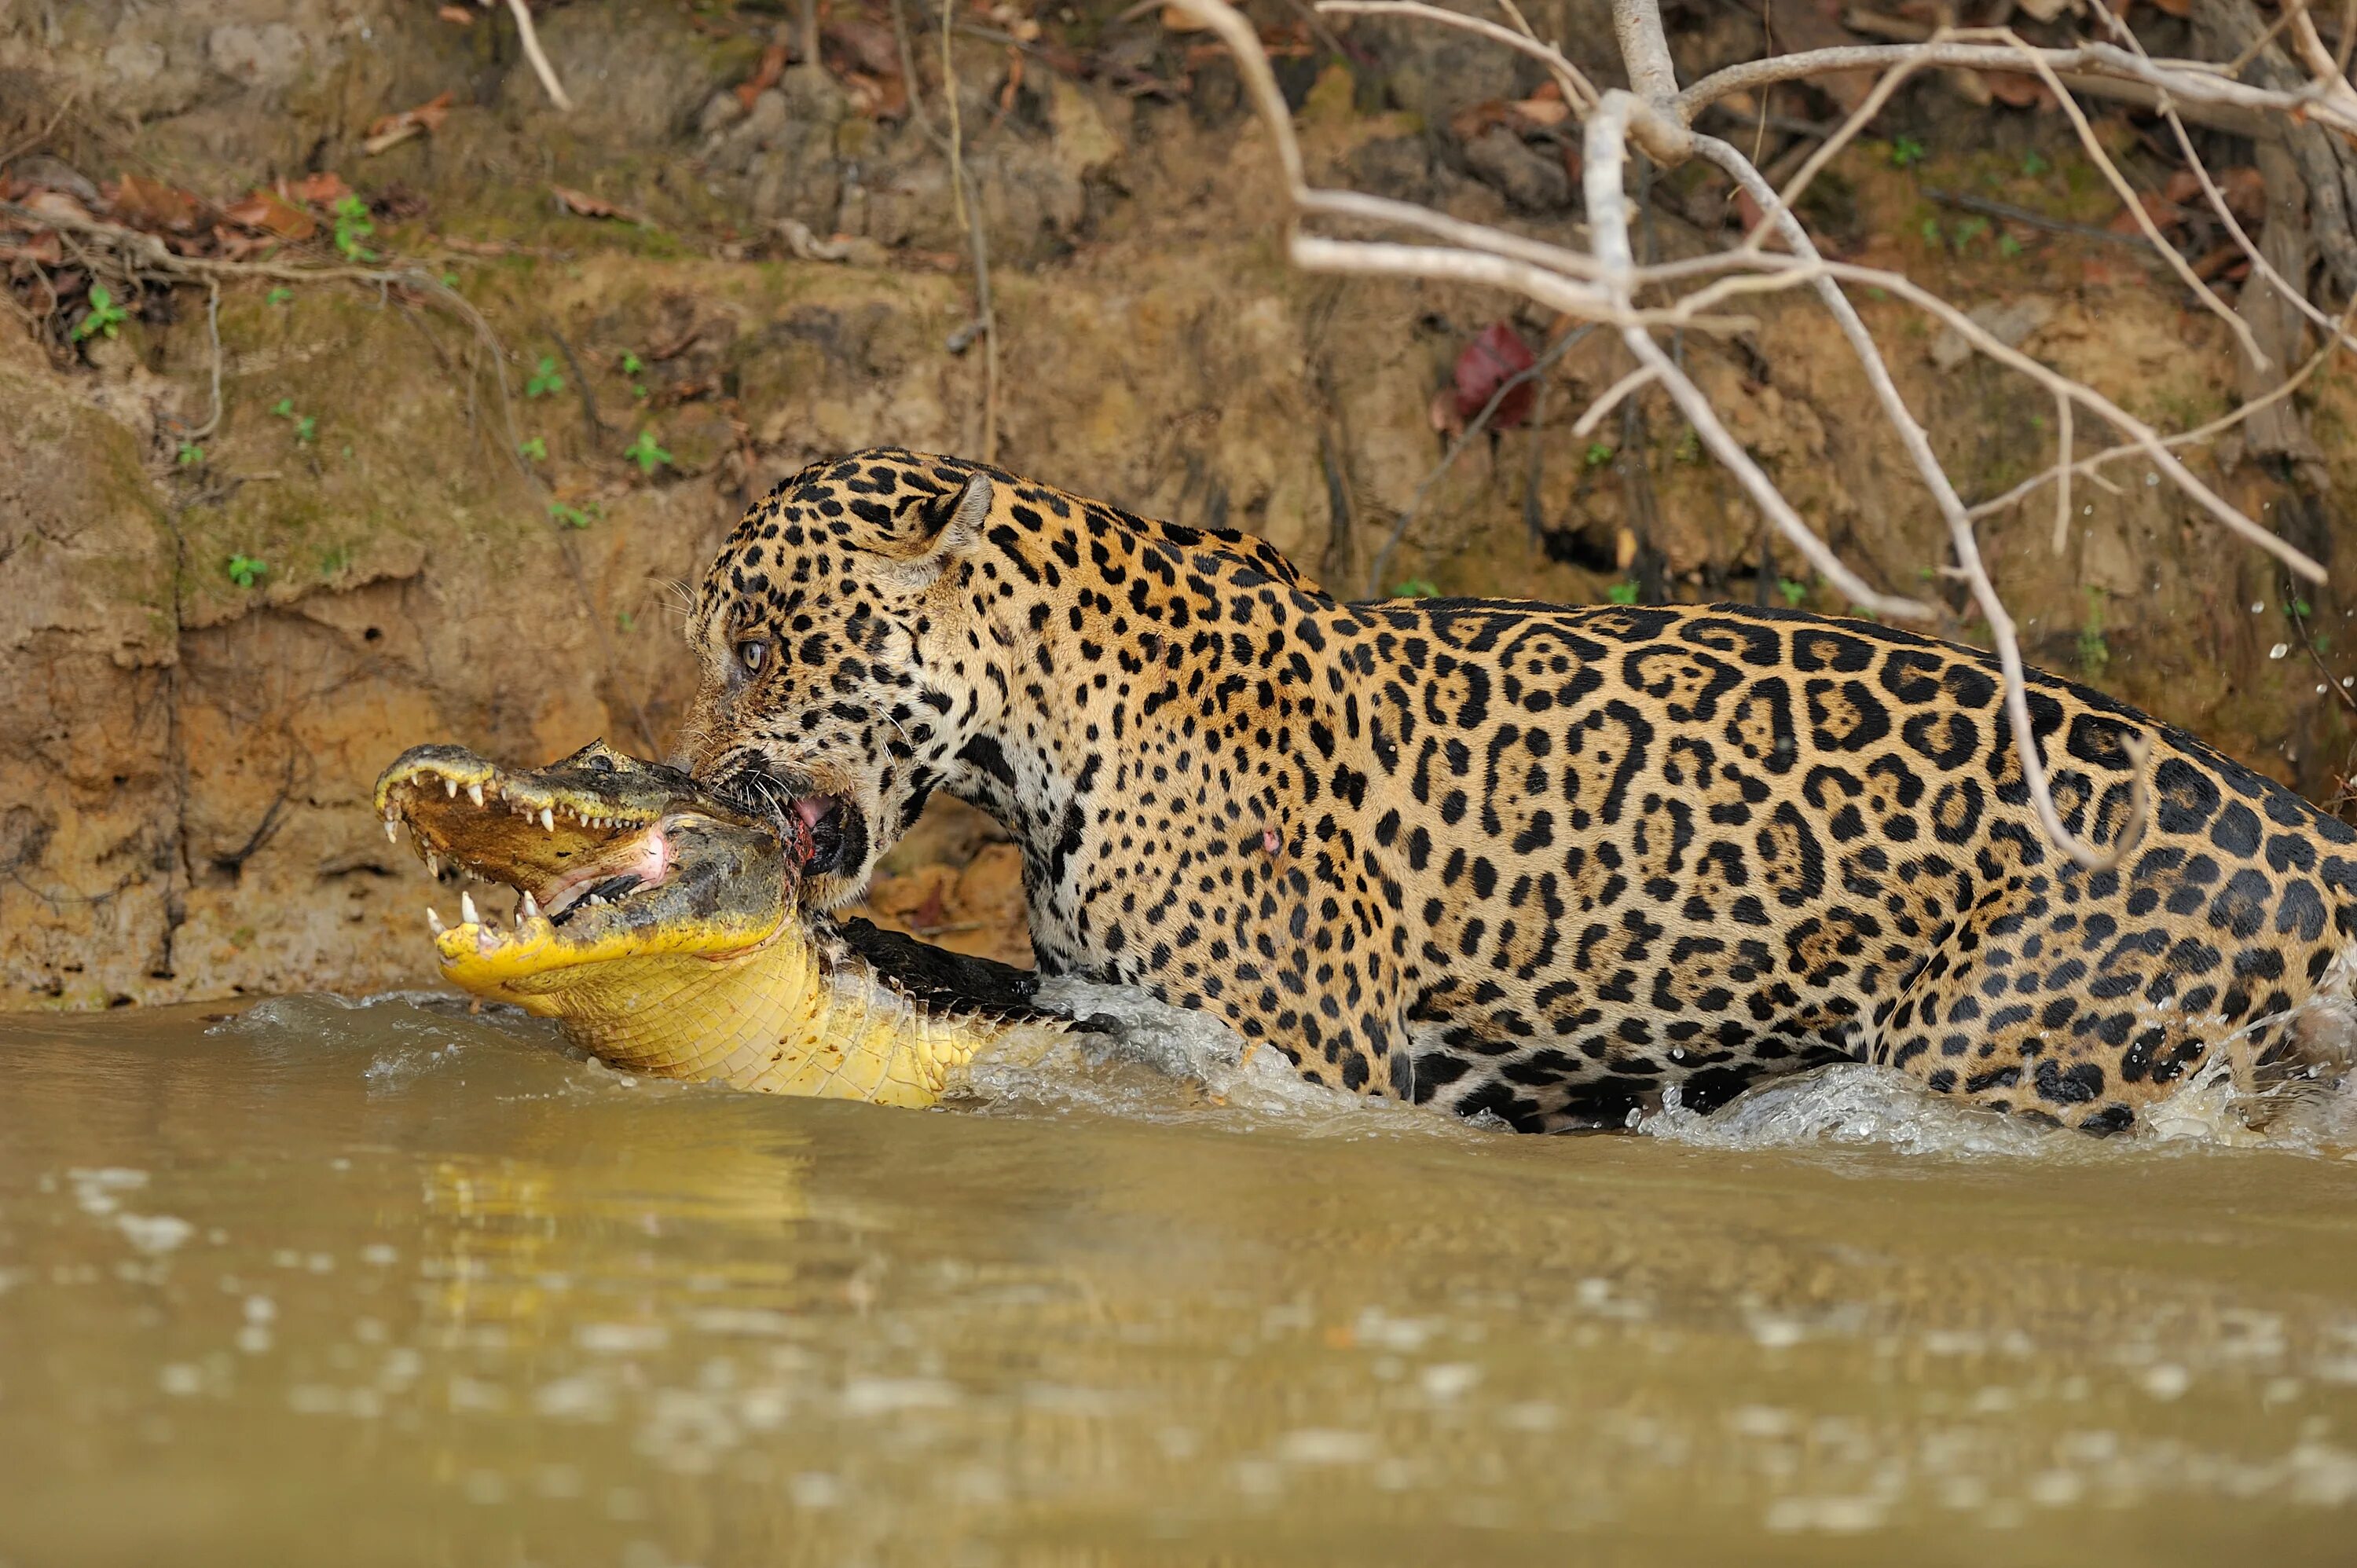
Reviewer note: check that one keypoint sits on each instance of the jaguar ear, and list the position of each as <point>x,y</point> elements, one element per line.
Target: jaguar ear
<point>957,536</point>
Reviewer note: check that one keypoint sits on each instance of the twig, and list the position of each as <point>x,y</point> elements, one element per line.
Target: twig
<point>1964,202</point>
<point>530,37</point>
<point>212,331</point>
<point>1479,423</point>
<point>1961,537</point>
<point>1577,90</point>
<point>589,420</point>
<point>962,183</point>
<point>65,107</point>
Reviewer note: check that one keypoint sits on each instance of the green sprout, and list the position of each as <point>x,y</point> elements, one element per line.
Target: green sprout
<point>1907,152</point>
<point>2008,247</point>
<point>545,379</point>
<point>1415,588</point>
<point>245,571</point>
<point>1970,230</point>
<point>279,297</point>
<point>2299,609</point>
<point>1622,593</point>
<point>645,453</point>
<point>638,390</point>
<point>1689,447</point>
<point>352,226</point>
<point>190,454</point>
<point>306,426</point>
<point>631,363</point>
<point>534,450</point>
<point>571,517</point>
<point>1930,231</point>
<point>1598,454</point>
<point>2033,164</point>
<point>1793,592</point>
<point>104,315</point>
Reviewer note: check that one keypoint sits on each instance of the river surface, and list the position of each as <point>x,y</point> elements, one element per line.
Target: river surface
<point>344,1284</point>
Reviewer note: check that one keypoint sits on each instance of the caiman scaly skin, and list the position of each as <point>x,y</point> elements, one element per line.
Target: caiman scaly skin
<point>657,925</point>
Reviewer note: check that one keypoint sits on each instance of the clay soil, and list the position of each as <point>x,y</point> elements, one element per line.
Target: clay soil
<point>210,647</point>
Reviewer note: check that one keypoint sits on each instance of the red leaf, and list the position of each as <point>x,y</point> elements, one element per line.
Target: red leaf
<point>327,189</point>
<point>1488,362</point>
<point>272,214</point>
<point>145,203</point>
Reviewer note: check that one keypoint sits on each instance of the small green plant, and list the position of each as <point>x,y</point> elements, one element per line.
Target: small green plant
<point>352,226</point>
<point>1622,593</point>
<point>1793,592</point>
<point>279,297</point>
<point>1907,152</point>
<point>533,451</point>
<point>631,363</point>
<point>245,571</point>
<point>645,453</point>
<point>2094,653</point>
<point>306,426</point>
<point>1598,454</point>
<point>1970,230</point>
<point>2034,164</point>
<point>190,454</point>
<point>104,317</point>
<point>1877,294</point>
<point>2299,609</point>
<point>571,517</point>
<point>450,281</point>
<point>1689,447</point>
<point>1931,232</point>
<point>2008,247</point>
<point>545,381</point>
<point>638,390</point>
<point>1415,588</point>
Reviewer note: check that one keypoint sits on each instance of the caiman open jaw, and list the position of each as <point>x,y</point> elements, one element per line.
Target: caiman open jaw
<point>613,859</point>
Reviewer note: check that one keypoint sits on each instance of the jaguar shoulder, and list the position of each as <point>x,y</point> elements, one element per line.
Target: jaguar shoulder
<point>1534,861</point>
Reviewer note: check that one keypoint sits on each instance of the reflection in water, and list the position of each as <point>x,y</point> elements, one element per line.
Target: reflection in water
<point>388,1283</point>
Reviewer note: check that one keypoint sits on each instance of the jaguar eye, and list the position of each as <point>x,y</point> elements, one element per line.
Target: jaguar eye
<point>751,654</point>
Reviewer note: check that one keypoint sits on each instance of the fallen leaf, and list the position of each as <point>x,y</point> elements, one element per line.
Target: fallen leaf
<point>55,204</point>
<point>393,129</point>
<point>325,188</point>
<point>1014,81</point>
<point>2245,191</point>
<point>43,249</point>
<point>1469,122</point>
<point>1488,363</point>
<point>765,75</point>
<point>876,97</point>
<point>2014,90</point>
<point>271,213</point>
<point>871,47</point>
<point>144,203</point>
<point>1443,413</point>
<point>1541,111</point>
<point>583,205</point>
<point>456,15</point>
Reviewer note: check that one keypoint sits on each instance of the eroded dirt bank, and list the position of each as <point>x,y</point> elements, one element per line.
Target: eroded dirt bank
<point>209,645</point>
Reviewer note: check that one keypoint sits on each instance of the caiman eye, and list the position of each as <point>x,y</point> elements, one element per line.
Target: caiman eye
<point>751,654</point>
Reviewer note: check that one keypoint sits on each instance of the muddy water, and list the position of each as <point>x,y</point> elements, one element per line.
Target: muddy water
<point>387,1283</point>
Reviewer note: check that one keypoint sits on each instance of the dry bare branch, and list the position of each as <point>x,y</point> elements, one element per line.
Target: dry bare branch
<point>530,37</point>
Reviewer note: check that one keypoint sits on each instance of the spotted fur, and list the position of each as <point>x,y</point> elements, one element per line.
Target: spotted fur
<point>1501,856</point>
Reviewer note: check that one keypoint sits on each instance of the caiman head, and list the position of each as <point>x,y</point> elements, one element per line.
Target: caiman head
<point>623,870</point>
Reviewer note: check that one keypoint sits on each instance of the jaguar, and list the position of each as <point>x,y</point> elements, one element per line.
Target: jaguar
<point>1540,863</point>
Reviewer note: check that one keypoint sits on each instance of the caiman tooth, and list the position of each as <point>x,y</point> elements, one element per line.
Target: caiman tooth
<point>433,919</point>
<point>475,793</point>
<point>467,909</point>
<point>433,866</point>
<point>531,909</point>
<point>547,820</point>
<point>450,787</point>
<point>392,831</point>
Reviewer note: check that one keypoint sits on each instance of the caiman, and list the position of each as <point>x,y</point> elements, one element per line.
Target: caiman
<point>658,924</point>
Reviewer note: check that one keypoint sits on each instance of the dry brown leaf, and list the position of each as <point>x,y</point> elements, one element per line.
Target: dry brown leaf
<point>144,203</point>
<point>325,188</point>
<point>271,213</point>
<point>393,129</point>
<point>43,249</point>
<point>876,97</point>
<point>765,75</point>
<point>1006,94</point>
<point>870,46</point>
<point>456,15</point>
<point>2245,191</point>
<point>1541,113</point>
<point>2015,90</point>
<point>55,204</point>
<point>582,204</point>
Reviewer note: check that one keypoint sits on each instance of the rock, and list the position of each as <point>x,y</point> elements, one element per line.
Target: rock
<point>268,56</point>
<point>2010,324</point>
